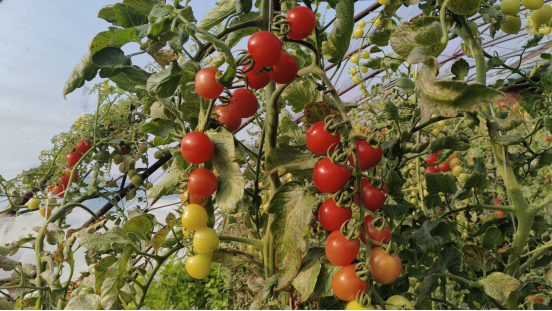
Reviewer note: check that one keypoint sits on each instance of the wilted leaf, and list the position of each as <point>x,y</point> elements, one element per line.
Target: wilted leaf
<point>499,285</point>
<point>159,237</point>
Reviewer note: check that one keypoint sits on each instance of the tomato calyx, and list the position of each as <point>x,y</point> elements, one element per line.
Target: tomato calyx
<point>349,231</point>
<point>364,299</point>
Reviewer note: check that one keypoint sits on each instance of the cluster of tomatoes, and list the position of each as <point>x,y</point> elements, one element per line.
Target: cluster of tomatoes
<point>342,251</point>
<point>270,63</point>
<point>197,148</point>
<point>539,19</point>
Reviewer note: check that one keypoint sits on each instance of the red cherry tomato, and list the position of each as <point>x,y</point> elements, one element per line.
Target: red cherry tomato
<point>341,251</point>
<point>431,170</point>
<point>498,203</point>
<point>385,268</point>
<point>375,235</point>
<point>265,48</point>
<point>430,160</point>
<point>197,147</point>
<point>83,146</point>
<point>499,214</point>
<point>285,70</point>
<point>346,285</point>
<point>226,117</point>
<point>49,187</point>
<point>301,22</point>
<point>329,177</point>
<point>443,167</point>
<point>59,189</point>
<point>548,138</point>
<point>539,287</point>
<point>318,140</point>
<point>68,173</point>
<point>368,156</point>
<point>243,103</point>
<point>73,158</point>
<point>254,80</point>
<point>206,84</point>
<point>202,183</point>
<point>372,197</point>
<point>332,216</point>
<point>64,180</point>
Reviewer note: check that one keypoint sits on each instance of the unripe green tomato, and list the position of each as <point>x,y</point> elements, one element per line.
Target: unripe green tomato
<point>463,177</point>
<point>412,182</point>
<point>165,166</point>
<point>413,194</point>
<point>546,30</point>
<point>512,25</point>
<point>130,195</point>
<point>149,185</point>
<point>103,156</point>
<point>365,54</point>
<point>358,33</point>
<point>136,180</point>
<point>436,132</point>
<point>158,154</point>
<point>143,148</point>
<point>87,160</point>
<point>510,7</point>
<point>412,172</point>
<point>457,170</point>
<point>353,70</point>
<point>413,200</point>
<point>354,59</point>
<point>363,69</point>
<point>356,79</point>
<point>170,162</point>
<point>34,203</point>
<point>122,169</point>
<point>166,150</point>
<point>542,15</point>
<point>361,24</point>
<point>532,4</point>
<point>131,173</point>
<point>473,27</point>
<point>117,159</point>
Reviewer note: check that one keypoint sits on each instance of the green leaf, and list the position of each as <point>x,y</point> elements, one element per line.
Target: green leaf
<point>143,6</point>
<point>290,129</point>
<point>160,12</point>
<point>443,155</point>
<point>428,286</point>
<point>111,57</point>
<point>394,182</point>
<point>498,285</point>
<point>476,180</point>
<point>87,301</point>
<point>86,70</point>
<point>317,112</point>
<point>115,37</point>
<point>339,38</point>
<point>231,184</point>
<point>173,183</point>
<point>106,13</point>
<point>100,270</point>
<point>128,16</point>
<point>447,98</point>
<point>306,279</point>
<point>161,128</point>
<point>380,36</point>
<point>114,282</point>
<point>177,43</point>
<point>127,78</point>
<point>293,205</point>
<point>449,261</point>
<point>449,142</point>
<point>464,7</point>
<point>406,84</point>
<point>391,111</point>
<point>394,210</point>
<point>323,286</point>
<point>141,226</point>
<point>163,84</point>
<point>233,259</point>
<point>93,242</point>
<point>440,182</point>
<point>244,6</point>
<point>301,92</point>
<point>460,69</point>
<point>220,12</point>
<point>492,238</point>
<point>285,156</point>
<point>428,242</point>
<point>235,37</point>
<point>188,91</point>
<point>422,35</point>
<point>4,251</point>
<point>478,258</point>
<point>231,67</point>
<point>159,237</point>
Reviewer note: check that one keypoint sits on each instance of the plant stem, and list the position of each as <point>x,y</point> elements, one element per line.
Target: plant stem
<point>256,243</point>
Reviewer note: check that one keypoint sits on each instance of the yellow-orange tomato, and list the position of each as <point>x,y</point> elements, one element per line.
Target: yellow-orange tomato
<point>193,200</point>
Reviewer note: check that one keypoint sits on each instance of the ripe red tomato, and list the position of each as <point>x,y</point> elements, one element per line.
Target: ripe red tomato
<point>498,203</point>
<point>548,138</point>
<point>443,167</point>
<point>499,214</point>
<point>372,197</point>
<point>329,177</point>
<point>531,299</point>
<point>197,147</point>
<point>346,285</point>
<point>332,216</point>
<point>64,180</point>
<point>301,22</point>
<point>49,187</point>
<point>206,84</point>
<point>68,173</point>
<point>430,160</point>
<point>375,235</point>
<point>59,189</point>
<point>202,183</point>
<point>368,156</point>
<point>501,105</point>
<point>73,158</point>
<point>539,287</point>
<point>385,268</point>
<point>265,48</point>
<point>318,140</point>
<point>226,117</point>
<point>431,170</point>
<point>83,146</point>
<point>341,251</point>
<point>285,70</point>
<point>243,103</point>
<point>254,80</point>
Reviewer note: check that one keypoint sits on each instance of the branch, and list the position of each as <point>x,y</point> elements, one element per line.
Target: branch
<point>254,242</point>
<point>493,207</point>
